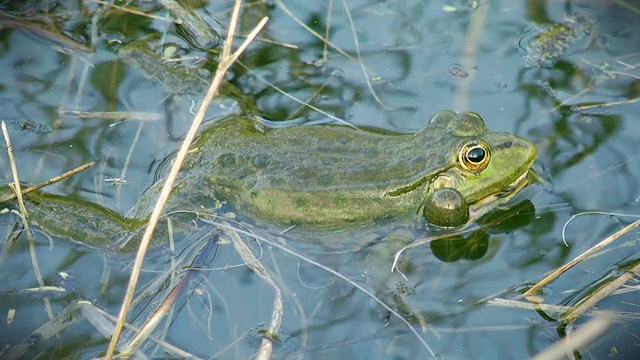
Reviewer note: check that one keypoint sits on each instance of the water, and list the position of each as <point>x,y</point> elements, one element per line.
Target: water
<point>578,108</point>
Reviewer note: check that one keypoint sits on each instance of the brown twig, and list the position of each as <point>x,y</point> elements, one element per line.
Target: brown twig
<point>361,288</point>
<point>327,32</point>
<point>564,348</point>
<point>587,303</point>
<point>559,271</point>
<point>112,115</point>
<point>25,216</point>
<point>223,66</point>
<point>266,347</point>
<point>132,11</point>
<point>48,182</point>
<point>163,309</point>
<point>54,35</point>
<point>14,172</point>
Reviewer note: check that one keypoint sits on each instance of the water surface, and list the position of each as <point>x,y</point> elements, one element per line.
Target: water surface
<point>411,58</point>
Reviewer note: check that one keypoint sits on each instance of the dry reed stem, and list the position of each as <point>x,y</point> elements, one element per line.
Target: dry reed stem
<point>585,304</point>
<point>43,290</point>
<point>273,42</point>
<point>132,11</point>
<point>607,104</point>
<point>65,319</point>
<point>154,320</point>
<point>282,288</point>
<point>14,173</point>
<point>54,34</point>
<point>266,347</point>
<point>564,348</point>
<point>303,335</point>
<point>368,293</point>
<point>25,216</point>
<point>525,305</point>
<point>559,271</point>
<point>38,273</point>
<point>48,182</point>
<point>325,50</point>
<point>186,277</point>
<point>223,66</point>
<point>87,306</point>
<point>112,115</point>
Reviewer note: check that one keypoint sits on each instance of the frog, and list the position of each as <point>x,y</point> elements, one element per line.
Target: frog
<point>328,176</point>
<point>558,40</point>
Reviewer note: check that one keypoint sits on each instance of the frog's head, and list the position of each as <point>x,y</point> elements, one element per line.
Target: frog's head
<point>486,168</point>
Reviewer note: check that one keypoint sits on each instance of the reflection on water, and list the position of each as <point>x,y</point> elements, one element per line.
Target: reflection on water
<point>579,107</point>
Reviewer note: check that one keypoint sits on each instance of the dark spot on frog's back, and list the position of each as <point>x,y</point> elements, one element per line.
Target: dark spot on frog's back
<point>326,180</point>
<point>341,139</point>
<point>261,161</point>
<point>505,145</point>
<point>371,153</point>
<point>301,202</point>
<point>341,201</point>
<point>227,160</point>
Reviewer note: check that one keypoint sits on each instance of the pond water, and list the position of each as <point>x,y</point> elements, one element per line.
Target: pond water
<point>562,74</point>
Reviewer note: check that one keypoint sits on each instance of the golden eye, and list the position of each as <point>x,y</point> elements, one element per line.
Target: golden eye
<point>474,156</point>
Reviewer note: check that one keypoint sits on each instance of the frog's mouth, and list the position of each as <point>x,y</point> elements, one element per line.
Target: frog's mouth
<point>483,206</point>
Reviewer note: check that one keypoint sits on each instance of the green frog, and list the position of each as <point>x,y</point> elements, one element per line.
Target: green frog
<point>323,176</point>
<point>558,39</point>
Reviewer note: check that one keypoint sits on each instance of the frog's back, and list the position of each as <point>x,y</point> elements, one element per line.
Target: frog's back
<point>279,173</point>
<point>317,157</point>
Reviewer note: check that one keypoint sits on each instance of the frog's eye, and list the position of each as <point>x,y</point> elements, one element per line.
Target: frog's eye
<point>474,156</point>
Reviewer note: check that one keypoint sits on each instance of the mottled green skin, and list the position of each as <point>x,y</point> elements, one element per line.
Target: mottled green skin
<point>555,41</point>
<point>330,175</point>
<point>321,176</point>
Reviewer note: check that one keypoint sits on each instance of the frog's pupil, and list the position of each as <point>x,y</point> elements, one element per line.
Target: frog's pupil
<point>476,155</point>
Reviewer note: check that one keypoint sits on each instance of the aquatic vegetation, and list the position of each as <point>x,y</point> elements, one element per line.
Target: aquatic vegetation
<point>557,40</point>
